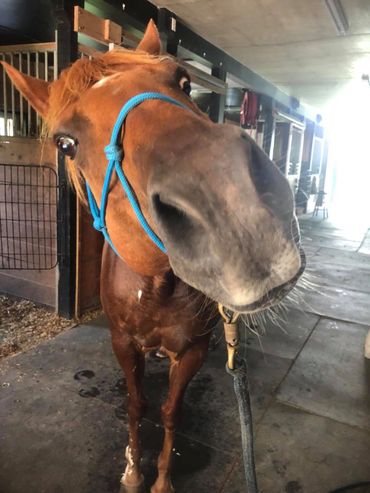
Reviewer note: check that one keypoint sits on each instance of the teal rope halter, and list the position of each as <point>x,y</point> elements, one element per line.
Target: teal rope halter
<point>115,154</point>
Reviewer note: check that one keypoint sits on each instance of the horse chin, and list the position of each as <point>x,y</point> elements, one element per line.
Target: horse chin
<point>272,297</point>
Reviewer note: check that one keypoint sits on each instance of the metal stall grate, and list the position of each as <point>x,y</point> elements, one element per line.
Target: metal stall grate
<point>28,217</point>
<point>17,117</point>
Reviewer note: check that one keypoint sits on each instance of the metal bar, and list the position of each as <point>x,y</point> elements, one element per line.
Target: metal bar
<point>31,223</point>
<point>46,65</point>
<point>268,126</point>
<point>19,222</point>
<point>28,104</point>
<point>42,214</point>
<point>12,94</point>
<point>25,209</point>
<point>55,56</point>
<point>37,71</point>
<point>11,212</point>
<point>55,65</point>
<point>21,99</point>
<point>5,99</point>
<point>6,214</point>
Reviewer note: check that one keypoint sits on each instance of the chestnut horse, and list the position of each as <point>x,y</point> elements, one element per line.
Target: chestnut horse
<point>222,209</point>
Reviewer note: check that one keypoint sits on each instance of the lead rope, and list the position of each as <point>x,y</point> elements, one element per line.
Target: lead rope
<point>236,366</point>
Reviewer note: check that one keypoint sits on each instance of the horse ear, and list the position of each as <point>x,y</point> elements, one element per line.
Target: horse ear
<point>36,91</point>
<point>151,42</point>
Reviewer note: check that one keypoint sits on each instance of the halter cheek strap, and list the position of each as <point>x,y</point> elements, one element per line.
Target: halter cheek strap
<point>115,155</point>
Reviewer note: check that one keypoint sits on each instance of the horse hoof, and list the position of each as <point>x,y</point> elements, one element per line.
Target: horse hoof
<point>133,488</point>
<point>168,488</point>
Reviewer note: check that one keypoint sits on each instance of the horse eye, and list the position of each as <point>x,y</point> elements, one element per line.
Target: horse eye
<point>66,145</point>
<point>185,85</point>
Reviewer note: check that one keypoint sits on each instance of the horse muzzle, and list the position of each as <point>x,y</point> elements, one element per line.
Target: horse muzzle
<point>227,221</point>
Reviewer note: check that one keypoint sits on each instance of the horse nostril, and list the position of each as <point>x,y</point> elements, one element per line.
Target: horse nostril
<point>175,222</point>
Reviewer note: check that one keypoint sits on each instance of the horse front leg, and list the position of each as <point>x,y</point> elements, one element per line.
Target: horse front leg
<point>182,370</point>
<point>132,362</point>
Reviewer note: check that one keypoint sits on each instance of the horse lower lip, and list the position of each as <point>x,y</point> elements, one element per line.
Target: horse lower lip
<point>267,300</point>
<point>274,295</point>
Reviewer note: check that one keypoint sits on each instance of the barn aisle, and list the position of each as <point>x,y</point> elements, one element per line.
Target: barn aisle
<point>63,425</point>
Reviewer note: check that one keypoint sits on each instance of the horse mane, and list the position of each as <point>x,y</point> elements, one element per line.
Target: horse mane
<point>77,78</point>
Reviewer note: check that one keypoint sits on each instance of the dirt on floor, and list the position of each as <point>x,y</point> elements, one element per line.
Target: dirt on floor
<point>24,325</point>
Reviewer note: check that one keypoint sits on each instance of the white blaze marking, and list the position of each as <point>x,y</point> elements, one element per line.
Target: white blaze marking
<point>104,80</point>
<point>139,294</point>
<point>100,83</point>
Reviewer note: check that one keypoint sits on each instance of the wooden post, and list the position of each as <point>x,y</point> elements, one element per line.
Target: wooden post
<point>167,25</point>
<point>66,231</point>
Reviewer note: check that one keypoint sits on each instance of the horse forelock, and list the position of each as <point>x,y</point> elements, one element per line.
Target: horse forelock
<point>84,73</point>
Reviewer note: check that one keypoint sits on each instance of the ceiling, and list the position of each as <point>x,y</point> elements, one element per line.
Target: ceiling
<point>292,43</point>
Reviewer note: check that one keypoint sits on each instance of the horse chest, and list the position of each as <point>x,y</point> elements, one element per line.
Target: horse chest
<point>174,324</point>
<point>154,311</point>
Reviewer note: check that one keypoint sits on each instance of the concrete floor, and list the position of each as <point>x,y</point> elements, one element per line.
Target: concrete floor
<point>63,424</point>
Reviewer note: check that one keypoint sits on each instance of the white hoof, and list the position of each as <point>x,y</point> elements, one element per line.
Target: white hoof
<point>139,488</point>
<point>132,480</point>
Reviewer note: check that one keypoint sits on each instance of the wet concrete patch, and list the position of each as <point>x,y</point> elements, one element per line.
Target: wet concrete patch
<point>210,409</point>
<point>196,466</point>
<point>59,442</point>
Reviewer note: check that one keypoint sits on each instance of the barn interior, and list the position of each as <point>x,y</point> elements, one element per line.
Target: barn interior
<point>295,77</point>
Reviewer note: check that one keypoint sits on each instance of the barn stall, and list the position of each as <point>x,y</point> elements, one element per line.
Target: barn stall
<point>50,254</point>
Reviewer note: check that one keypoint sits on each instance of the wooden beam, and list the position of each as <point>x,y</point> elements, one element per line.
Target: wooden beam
<point>205,80</point>
<point>87,50</point>
<point>18,150</point>
<point>102,30</point>
<point>32,47</point>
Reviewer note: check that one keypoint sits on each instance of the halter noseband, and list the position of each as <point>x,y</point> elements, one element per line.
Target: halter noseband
<point>115,155</point>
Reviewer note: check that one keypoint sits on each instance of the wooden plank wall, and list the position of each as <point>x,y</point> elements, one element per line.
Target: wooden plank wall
<point>35,285</point>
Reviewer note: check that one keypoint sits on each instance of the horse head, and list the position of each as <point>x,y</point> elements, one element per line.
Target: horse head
<point>223,210</point>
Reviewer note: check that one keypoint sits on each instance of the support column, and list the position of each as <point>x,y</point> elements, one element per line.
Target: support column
<point>167,25</point>
<point>67,52</point>
<point>217,107</point>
